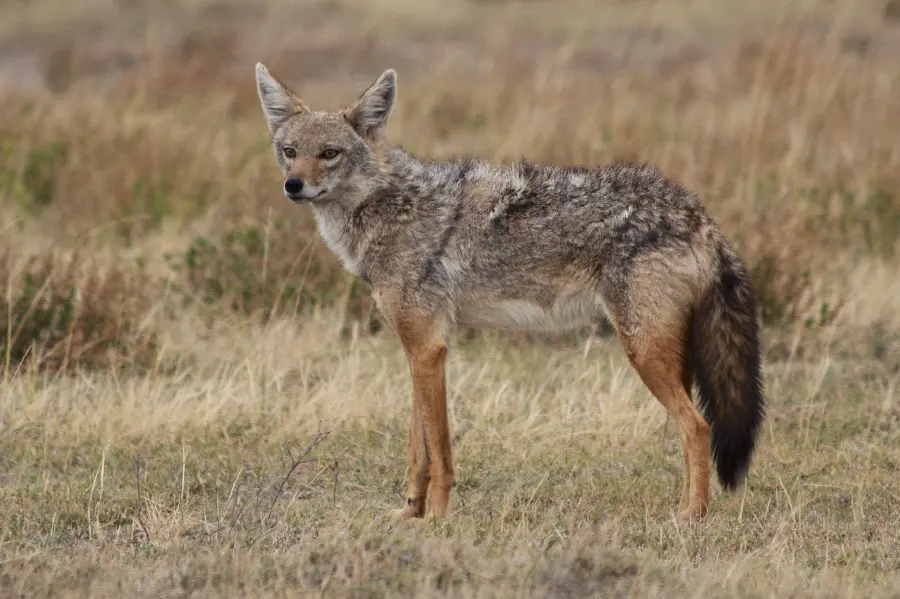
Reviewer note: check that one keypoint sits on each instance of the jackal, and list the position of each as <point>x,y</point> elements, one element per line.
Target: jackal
<point>530,247</point>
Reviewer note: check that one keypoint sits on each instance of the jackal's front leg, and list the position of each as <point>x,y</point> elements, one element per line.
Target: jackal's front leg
<point>430,462</point>
<point>417,493</point>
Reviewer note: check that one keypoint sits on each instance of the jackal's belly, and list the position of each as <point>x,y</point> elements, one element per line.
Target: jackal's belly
<point>564,314</point>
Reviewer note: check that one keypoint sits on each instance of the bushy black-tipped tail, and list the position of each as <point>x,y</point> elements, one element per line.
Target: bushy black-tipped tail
<point>725,354</point>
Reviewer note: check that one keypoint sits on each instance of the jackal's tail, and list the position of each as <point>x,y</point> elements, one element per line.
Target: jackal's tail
<point>725,356</point>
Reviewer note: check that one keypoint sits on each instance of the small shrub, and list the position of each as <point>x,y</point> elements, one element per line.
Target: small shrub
<point>776,289</point>
<point>31,180</point>
<point>782,292</point>
<point>265,271</point>
<point>56,313</point>
<point>39,175</point>
<point>152,199</point>
<point>881,230</point>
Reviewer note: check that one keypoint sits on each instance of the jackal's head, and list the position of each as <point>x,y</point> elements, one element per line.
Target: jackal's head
<point>325,156</point>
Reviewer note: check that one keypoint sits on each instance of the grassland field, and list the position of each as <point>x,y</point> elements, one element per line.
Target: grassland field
<point>197,401</point>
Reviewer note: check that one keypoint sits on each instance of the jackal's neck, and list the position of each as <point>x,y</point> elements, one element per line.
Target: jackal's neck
<point>402,170</point>
<point>399,166</point>
<point>349,236</point>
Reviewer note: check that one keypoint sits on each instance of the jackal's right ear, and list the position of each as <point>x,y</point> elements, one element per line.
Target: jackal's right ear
<point>278,102</point>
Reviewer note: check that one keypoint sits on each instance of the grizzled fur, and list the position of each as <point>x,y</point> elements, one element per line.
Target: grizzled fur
<point>528,246</point>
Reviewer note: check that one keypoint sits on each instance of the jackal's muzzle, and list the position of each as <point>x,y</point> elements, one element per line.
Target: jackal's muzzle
<point>298,192</point>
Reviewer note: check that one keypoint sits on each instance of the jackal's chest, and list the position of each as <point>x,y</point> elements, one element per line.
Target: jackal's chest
<point>336,236</point>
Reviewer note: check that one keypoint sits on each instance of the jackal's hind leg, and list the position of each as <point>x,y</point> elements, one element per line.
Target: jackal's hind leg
<point>687,379</point>
<point>662,365</point>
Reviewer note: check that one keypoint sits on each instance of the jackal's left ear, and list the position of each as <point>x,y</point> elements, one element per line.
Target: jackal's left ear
<point>369,114</point>
<point>278,102</point>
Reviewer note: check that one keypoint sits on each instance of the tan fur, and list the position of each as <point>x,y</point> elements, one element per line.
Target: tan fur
<point>663,366</point>
<point>307,169</point>
<point>431,474</point>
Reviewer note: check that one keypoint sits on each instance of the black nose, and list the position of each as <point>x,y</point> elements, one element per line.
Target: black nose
<point>293,186</point>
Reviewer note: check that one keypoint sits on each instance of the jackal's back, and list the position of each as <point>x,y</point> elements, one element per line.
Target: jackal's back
<point>524,238</point>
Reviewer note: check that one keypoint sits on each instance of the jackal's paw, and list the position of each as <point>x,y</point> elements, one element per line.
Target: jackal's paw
<point>693,513</point>
<point>407,512</point>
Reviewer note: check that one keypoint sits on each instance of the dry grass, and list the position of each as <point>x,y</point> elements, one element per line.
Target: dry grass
<point>568,477</point>
<point>197,400</point>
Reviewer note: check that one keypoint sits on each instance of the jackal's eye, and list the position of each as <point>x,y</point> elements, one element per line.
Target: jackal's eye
<point>289,152</point>
<point>329,154</point>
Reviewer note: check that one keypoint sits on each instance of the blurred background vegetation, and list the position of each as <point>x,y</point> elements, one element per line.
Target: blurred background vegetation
<point>134,158</point>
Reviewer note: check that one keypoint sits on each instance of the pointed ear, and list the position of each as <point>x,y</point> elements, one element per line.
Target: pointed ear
<point>369,114</point>
<point>278,102</point>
